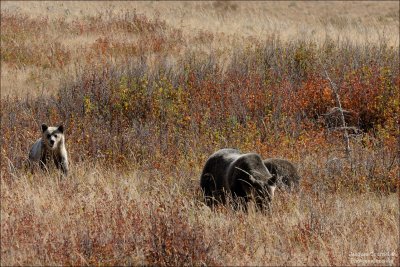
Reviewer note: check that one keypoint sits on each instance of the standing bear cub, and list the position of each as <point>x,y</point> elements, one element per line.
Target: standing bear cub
<point>228,172</point>
<point>50,146</point>
<point>286,172</point>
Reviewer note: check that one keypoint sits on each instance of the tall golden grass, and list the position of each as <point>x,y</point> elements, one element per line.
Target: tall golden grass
<point>205,26</point>
<point>105,217</point>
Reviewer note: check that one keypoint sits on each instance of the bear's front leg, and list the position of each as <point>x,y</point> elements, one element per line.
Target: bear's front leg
<point>64,166</point>
<point>43,162</point>
<point>62,163</point>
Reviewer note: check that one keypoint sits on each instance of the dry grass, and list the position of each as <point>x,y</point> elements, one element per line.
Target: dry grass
<point>206,27</point>
<point>148,94</point>
<point>290,20</point>
<point>105,217</point>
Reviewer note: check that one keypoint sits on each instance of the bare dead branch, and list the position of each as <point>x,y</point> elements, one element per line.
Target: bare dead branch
<point>339,107</point>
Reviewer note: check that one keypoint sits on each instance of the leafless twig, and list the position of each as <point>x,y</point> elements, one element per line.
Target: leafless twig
<point>339,107</point>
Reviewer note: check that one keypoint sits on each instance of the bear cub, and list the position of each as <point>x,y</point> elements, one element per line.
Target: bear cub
<point>285,170</point>
<point>51,146</point>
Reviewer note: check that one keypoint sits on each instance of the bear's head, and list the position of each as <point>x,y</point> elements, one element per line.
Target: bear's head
<point>52,137</point>
<point>263,186</point>
<point>254,177</point>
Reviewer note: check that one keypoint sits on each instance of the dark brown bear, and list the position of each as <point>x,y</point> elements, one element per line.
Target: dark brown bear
<point>228,172</point>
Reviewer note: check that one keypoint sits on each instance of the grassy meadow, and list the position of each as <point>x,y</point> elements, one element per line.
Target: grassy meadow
<point>148,90</point>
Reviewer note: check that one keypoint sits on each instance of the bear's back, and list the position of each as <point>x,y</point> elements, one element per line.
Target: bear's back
<point>217,166</point>
<point>36,150</point>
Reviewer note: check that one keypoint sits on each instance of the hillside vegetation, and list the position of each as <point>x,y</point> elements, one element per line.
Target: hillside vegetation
<point>147,91</point>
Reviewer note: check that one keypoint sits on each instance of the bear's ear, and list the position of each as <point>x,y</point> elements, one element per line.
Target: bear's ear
<point>44,127</point>
<point>61,128</point>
